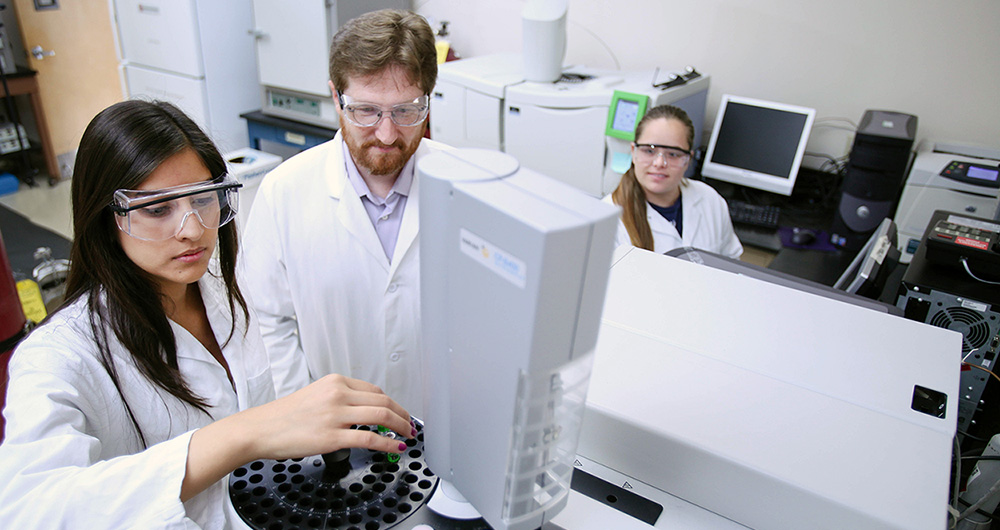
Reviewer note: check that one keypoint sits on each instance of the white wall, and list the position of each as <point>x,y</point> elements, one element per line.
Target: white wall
<point>938,60</point>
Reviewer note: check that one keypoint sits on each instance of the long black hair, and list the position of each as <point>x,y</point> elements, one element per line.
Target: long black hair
<point>121,146</point>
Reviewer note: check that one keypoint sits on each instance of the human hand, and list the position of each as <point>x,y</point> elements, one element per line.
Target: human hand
<point>318,418</point>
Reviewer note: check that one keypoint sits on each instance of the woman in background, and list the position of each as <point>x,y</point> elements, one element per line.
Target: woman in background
<point>130,404</point>
<point>661,209</point>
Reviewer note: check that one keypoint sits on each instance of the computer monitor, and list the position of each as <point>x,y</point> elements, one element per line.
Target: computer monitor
<point>868,272</point>
<point>758,144</point>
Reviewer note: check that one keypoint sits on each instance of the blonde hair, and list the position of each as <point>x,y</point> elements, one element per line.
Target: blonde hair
<point>630,195</point>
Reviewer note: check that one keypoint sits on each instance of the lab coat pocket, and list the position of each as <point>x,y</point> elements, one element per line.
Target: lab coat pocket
<point>259,390</point>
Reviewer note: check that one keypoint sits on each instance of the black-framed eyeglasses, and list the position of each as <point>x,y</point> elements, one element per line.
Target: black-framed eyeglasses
<point>672,156</point>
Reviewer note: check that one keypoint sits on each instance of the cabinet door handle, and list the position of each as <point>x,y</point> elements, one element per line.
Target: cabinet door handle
<point>38,53</point>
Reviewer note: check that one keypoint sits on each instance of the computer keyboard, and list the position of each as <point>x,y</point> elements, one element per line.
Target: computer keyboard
<point>754,214</point>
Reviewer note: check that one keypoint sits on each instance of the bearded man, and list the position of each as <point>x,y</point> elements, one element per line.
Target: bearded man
<point>331,244</point>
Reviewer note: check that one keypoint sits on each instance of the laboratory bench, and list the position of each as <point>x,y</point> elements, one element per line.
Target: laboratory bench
<point>811,206</point>
<point>283,137</point>
<point>24,82</point>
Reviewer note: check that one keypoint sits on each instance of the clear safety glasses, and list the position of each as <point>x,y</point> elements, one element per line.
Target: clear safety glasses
<point>158,215</point>
<point>672,156</point>
<point>370,114</point>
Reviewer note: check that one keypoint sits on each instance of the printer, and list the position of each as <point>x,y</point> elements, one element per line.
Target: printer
<point>944,176</point>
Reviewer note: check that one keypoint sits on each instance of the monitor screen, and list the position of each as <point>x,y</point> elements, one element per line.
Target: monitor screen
<point>625,115</point>
<point>758,144</point>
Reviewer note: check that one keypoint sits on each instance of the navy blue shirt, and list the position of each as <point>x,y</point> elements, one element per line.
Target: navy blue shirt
<point>674,214</point>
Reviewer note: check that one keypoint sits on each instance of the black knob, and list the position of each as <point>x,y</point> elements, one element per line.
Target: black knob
<point>338,465</point>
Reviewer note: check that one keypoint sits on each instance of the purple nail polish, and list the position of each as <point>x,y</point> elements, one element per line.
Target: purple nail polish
<point>402,446</point>
<point>413,433</point>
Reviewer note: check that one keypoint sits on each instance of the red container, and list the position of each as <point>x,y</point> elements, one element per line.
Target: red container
<point>12,322</point>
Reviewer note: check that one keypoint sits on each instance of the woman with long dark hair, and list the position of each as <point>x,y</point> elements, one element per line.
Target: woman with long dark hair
<point>128,406</point>
<point>662,209</point>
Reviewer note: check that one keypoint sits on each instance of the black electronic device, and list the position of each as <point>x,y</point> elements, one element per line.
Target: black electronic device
<point>874,177</point>
<point>754,214</point>
<point>943,296</point>
<point>967,243</point>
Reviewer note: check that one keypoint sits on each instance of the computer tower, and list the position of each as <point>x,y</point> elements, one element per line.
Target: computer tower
<point>948,298</point>
<point>875,174</point>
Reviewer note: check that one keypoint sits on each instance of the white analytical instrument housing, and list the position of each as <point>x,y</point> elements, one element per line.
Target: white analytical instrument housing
<point>952,177</point>
<point>770,406</point>
<point>514,267</point>
<point>558,128</point>
<point>293,54</point>
<point>194,54</point>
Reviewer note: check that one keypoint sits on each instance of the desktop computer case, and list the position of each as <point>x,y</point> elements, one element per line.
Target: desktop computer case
<point>875,174</point>
<point>947,298</point>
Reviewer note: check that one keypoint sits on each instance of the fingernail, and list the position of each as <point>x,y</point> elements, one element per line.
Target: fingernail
<point>402,446</point>
<point>413,433</point>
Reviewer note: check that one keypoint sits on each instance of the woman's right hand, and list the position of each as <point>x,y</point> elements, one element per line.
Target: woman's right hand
<point>318,418</point>
<point>314,420</point>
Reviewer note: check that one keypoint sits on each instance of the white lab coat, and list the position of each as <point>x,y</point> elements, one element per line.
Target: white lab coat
<point>328,299</point>
<point>71,458</point>
<point>707,225</point>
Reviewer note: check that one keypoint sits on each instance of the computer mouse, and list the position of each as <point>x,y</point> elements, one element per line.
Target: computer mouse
<point>803,236</point>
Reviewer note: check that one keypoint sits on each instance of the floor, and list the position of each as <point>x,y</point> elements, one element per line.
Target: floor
<point>45,205</point>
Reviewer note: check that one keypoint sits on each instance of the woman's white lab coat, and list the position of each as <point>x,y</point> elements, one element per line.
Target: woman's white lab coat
<point>707,225</point>
<point>71,457</point>
<point>328,299</point>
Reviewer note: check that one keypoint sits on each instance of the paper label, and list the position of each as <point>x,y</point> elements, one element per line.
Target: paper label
<point>507,266</point>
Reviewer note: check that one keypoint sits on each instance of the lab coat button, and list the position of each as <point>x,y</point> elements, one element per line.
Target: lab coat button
<point>394,357</point>
<point>392,287</point>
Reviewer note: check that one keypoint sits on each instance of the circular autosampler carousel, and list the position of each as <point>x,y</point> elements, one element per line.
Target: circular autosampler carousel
<point>349,489</point>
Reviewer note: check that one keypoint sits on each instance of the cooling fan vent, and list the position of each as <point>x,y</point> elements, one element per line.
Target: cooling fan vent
<point>971,324</point>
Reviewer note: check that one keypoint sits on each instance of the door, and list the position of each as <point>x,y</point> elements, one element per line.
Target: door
<point>77,68</point>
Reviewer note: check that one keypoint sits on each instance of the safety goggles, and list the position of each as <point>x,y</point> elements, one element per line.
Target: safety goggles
<point>370,114</point>
<point>158,215</point>
<point>672,156</point>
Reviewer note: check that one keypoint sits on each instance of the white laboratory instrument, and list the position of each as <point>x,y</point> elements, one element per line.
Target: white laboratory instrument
<point>467,102</point>
<point>952,177</point>
<point>293,54</point>
<point>248,166</point>
<point>543,32</point>
<point>687,90</point>
<point>559,129</point>
<point>195,54</point>
<point>812,414</point>
<point>514,269</point>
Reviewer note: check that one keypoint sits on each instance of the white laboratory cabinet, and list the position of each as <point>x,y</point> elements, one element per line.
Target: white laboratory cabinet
<point>293,53</point>
<point>196,54</point>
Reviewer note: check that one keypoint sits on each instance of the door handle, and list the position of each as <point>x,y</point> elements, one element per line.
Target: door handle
<point>38,53</point>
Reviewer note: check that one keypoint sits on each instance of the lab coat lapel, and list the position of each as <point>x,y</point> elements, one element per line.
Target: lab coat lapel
<point>690,205</point>
<point>408,228</point>
<point>350,212</point>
